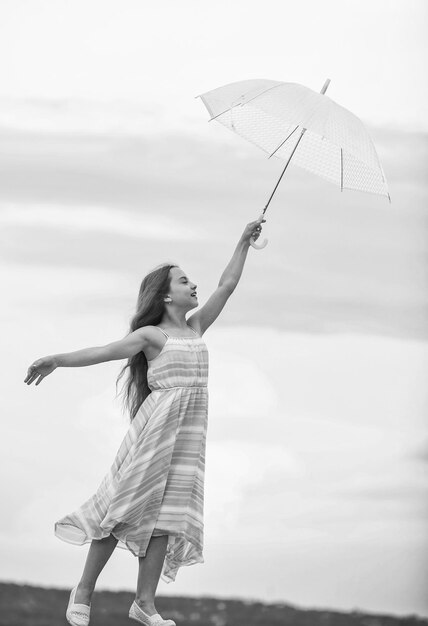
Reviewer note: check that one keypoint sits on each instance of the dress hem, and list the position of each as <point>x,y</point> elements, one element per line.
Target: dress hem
<point>123,545</point>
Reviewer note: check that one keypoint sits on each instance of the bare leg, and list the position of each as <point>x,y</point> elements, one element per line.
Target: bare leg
<point>98,555</point>
<point>149,571</point>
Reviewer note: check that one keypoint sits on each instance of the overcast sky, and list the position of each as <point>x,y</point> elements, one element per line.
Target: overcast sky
<point>162,54</point>
<point>316,477</point>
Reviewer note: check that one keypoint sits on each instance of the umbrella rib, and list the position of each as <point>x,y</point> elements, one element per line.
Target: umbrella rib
<point>341,169</point>
<point>281,144</point>
<point>382,174</point>
<point>222,113</point>
<point>242,103</point>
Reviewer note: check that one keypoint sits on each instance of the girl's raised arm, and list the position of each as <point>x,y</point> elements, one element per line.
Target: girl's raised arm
<point>122,349</point>
<point>206,315</point>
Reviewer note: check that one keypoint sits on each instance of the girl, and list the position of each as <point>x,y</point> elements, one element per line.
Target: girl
<point>151,500</point>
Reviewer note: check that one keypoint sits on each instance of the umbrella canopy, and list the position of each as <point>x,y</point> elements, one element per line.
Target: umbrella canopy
<point>276,116</point>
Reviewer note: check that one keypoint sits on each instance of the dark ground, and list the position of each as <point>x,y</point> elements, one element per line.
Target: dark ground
<point>24,605</point>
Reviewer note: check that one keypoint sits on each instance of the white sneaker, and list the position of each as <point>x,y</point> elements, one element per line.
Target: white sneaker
<point>137,613</point>
<point>77,614</point>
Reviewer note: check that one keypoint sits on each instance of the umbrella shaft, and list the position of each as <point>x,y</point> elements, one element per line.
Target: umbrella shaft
<point>283,171</point>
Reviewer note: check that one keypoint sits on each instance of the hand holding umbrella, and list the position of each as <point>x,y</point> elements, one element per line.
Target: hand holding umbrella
<point>252,231</point>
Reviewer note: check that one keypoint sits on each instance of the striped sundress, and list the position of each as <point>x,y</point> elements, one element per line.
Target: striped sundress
<point>156,483</point>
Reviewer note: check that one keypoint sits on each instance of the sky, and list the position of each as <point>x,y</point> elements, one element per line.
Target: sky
<point>317,449</point>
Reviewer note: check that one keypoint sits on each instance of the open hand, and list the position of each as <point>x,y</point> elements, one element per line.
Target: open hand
<point>253,230</point>
<point>40,369</point>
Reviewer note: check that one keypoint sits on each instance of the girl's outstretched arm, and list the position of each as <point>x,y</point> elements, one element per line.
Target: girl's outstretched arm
<point>122,349</point>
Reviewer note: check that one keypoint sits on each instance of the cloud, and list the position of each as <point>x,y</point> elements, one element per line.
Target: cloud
<point>52,285</point>
<point>233,469</point>
<point>81,116</point>
<point>419,453</point>
<point>232,375</point>
<point>335,262</point>
<point>98,219</point>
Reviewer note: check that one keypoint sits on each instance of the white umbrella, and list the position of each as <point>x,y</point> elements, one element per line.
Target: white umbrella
<point>281,117</point>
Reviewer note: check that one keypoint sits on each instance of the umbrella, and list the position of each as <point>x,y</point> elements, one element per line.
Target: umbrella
<point>290,120</point>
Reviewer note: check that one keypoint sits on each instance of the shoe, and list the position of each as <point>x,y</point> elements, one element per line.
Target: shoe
<point>137,613</point>
<point>77,614</point>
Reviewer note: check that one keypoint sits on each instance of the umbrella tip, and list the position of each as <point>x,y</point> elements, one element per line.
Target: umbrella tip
<point>326,84</point>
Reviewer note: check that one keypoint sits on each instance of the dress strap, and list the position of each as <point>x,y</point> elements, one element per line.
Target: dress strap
<point>196,333</point>
<point>162,330</point>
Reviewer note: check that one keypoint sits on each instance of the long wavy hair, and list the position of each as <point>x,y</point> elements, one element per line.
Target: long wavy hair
<point>150,309</point>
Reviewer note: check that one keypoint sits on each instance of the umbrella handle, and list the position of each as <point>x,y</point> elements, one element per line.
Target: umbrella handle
<point>264,242</point>
<point>257,246</point>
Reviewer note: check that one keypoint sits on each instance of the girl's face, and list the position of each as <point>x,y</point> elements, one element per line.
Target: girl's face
<point>181,289</point>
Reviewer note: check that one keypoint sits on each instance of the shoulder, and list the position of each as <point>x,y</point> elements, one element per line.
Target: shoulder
<point>149,335</point>
<point>152,340</point>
